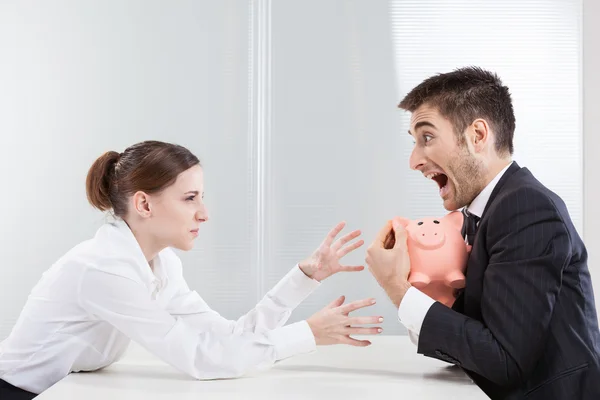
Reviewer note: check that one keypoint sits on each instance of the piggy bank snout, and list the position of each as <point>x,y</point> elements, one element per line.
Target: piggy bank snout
<point>429,235</point>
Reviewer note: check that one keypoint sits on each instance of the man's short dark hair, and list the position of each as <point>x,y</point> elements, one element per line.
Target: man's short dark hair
<point>464,95</point>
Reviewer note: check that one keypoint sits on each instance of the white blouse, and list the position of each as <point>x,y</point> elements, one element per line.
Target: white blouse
<point>87,307</point>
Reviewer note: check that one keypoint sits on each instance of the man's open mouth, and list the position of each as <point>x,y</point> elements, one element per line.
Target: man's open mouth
<point>440,178</point>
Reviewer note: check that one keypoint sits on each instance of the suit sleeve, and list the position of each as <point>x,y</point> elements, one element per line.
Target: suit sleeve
<point>529,247</point>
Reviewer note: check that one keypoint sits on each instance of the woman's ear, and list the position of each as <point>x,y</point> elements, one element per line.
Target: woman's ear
<point>141,204</point>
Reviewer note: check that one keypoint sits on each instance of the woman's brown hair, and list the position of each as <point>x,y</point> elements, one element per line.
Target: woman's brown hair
<point>148,166</point>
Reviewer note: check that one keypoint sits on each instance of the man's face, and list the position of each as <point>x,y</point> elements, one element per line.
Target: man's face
<point>440,156</point>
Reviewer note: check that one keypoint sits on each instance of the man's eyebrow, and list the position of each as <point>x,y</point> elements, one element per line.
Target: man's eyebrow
<point>422,124</point>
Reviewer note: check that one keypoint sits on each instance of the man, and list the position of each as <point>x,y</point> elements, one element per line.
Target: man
<point>525,325</point>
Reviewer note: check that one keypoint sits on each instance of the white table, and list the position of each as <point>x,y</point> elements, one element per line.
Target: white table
<point>388,369</point>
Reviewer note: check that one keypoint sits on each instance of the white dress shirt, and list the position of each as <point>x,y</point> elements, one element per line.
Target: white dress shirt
<point>415,304</point>
<point>87,307</point>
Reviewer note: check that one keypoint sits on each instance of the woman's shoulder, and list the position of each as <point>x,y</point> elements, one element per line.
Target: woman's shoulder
<point>105,251</point>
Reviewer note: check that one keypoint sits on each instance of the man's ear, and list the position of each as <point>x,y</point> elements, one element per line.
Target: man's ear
<point>141,204</point>
<point>480,134</point>
<point>455,219</point>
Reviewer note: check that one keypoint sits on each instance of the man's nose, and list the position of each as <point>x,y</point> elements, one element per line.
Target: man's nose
<point>416,160</point>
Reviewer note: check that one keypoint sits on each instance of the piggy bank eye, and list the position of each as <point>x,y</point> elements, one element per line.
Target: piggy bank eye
<point>420,223</point>
<point>436,221</point>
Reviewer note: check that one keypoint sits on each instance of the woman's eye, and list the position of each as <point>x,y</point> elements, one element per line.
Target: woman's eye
<point>191,198</point>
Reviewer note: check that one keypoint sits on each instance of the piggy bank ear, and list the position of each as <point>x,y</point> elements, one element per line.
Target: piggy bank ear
<point>403,221</point>
<point>455,219</point>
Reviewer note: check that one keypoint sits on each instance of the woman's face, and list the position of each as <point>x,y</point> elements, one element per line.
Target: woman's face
<point>177,212</point>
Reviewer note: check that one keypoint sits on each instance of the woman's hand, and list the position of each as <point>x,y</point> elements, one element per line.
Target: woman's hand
<point>325,261</point>
<point>332,325</point>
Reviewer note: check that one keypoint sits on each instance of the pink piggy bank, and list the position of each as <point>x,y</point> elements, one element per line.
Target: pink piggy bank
<point>438,255</point>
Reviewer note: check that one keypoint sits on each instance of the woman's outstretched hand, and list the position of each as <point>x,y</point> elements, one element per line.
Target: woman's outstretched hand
<point>325,261</point>
<point>333,325</point>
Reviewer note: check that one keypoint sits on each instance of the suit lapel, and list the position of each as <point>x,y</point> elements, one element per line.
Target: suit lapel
<point>514,167</point>
<point>459,304</point>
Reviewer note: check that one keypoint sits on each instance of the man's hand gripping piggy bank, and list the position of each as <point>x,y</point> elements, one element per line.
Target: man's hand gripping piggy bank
<point>438,254</point>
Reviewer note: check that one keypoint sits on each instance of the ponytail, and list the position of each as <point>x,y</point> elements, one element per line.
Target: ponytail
<point>100,179</point>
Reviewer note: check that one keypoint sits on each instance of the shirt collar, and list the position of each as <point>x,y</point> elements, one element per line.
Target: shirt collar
<point>478,204</point>
<point>129,244</point>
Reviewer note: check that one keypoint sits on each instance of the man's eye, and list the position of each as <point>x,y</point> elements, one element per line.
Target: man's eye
<point>427,138</point>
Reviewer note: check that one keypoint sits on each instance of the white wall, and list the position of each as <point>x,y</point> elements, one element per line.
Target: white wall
<point>290,105</point>
<point>79,78</point>
<point>591,123</point>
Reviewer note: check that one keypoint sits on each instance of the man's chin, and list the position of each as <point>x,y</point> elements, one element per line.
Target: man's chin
<point>450,204</point>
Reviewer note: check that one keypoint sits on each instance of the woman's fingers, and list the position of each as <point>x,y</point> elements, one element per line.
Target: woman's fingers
<point>356,305</point>
<point>345,250</point>
<point>345,239</point>
<point>351,268</point>
<point>333,233</point>
<point>337,302</point>
<point>362,331</point>
<point>354,342</point>
<point>365,320</point>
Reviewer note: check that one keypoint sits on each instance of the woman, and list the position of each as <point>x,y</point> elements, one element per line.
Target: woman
<point>126,283</point>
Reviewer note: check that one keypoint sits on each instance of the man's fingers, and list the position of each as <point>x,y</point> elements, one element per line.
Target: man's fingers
<point>355,305</point>
<point>383,233</point>
<point>389,241</point>
<point>400,235</point>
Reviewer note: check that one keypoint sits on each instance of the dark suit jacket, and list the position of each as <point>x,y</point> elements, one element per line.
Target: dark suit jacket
<point>525,326</point>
